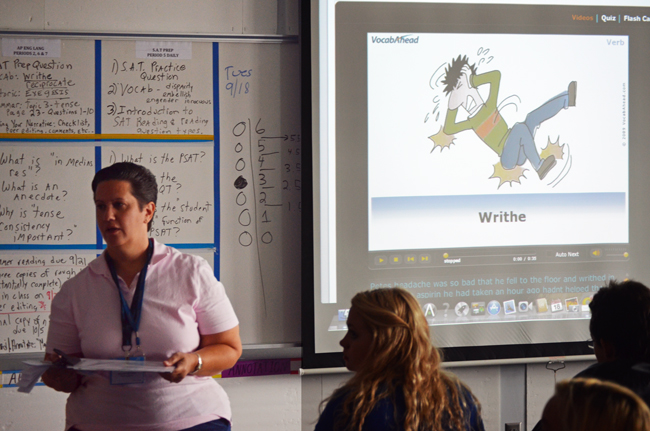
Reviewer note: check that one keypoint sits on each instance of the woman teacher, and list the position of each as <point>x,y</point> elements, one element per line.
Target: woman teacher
<point>140,299</point>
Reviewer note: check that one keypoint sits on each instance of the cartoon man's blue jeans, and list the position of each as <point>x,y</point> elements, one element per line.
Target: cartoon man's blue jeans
<point>520,143</point>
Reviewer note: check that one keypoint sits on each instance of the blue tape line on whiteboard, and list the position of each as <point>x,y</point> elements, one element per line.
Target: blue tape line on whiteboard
<point>191,245</point>
<point>47,247</point>
<point>67,140</point>
<point>216,152</point>
<point>155,140</point>
<point>98,86</point>
<point>21,140</point>
<point>98,165</point>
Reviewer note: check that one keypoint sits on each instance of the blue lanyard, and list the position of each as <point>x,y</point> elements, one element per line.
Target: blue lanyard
<point>131,317</point>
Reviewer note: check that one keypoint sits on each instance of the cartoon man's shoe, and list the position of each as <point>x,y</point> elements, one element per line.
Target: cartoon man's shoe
<point>573,89</point>
<point>547,165</point>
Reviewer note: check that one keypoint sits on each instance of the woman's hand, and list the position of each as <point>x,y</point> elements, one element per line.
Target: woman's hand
<point>184,364</point>
<point>61,379</point>
<point>218,352</point>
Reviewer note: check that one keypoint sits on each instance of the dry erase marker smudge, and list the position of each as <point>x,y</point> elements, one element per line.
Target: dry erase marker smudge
<point>240,183</point>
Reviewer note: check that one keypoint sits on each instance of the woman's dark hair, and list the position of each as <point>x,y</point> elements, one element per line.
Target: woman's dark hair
<point>143,183</point>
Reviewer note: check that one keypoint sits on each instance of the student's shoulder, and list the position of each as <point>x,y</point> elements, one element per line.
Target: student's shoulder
<point>327,418</point>
<point>606,370</point>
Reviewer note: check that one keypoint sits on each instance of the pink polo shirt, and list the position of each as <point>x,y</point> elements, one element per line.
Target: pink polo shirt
<point>182,299</point>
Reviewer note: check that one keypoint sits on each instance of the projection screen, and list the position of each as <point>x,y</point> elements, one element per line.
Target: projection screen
<point>492,159</point>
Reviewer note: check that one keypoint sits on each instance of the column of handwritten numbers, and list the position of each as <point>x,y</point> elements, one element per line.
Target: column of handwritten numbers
<point>268,193</point>
<point>264,159</point>
<point>241,199</point>
<point>291,173</point>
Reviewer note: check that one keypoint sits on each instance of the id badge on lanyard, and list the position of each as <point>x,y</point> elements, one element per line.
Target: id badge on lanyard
<point>127,378</point>
<point>130,317</point>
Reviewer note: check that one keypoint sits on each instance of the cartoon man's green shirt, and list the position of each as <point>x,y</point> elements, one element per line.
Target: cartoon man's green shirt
<point>488,124</point>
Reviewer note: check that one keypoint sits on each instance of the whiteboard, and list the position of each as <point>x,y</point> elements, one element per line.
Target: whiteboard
<point>157,88</point>
<point>228,175</point>
<point>260,187</point>
<point>41,202</point>
<point>185,209</point>
<point>47,87</point>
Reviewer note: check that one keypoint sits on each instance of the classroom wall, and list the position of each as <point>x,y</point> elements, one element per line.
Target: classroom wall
<point>508,393</point>
<point>262,403</point>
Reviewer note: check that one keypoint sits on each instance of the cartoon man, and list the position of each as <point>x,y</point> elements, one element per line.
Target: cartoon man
<point>514,146</point>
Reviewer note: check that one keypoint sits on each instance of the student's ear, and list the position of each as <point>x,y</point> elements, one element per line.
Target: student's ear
<point>604,350</point>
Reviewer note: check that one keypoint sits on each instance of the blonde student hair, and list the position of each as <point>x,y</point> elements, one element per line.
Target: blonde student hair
<point>401,355</point>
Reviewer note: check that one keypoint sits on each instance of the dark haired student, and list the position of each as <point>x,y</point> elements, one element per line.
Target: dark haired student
<point>142,298</point>
<point>620,330</point>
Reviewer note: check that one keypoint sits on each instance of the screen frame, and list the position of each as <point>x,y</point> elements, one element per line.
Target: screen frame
<point>310,222</point>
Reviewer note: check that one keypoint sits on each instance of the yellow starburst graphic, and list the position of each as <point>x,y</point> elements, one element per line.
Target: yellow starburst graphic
<point>508,175</point>
<point>442,140</point>
<point>553,149</point>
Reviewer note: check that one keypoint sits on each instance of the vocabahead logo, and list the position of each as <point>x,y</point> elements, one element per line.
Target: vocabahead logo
<point>407,38</point>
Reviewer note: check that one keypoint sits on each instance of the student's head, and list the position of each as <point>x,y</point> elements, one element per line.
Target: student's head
<point>458,85</point>
<point>593,405</point>
<point>143,183</point>
<point>387,332</point>
<point>620,321</point>
<point>389,347</point>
